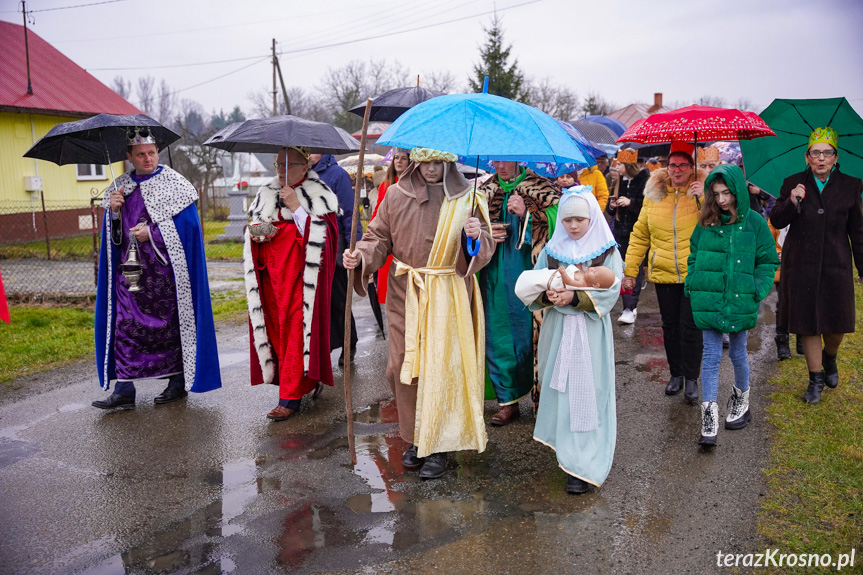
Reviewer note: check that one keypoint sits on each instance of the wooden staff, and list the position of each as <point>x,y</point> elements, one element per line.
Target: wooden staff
<point>349,402</point>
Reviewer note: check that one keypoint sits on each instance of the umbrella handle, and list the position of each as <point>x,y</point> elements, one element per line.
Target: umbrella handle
<point>472,247</point>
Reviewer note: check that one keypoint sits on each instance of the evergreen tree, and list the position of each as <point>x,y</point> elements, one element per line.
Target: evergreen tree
<point>503,79</point>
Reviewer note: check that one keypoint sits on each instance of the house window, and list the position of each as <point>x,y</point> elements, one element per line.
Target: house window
<point>91,172</point>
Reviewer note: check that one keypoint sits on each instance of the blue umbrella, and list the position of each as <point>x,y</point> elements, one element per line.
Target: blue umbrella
<point>482,127</point>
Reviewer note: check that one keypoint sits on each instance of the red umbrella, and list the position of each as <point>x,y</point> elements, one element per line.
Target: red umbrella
<point>697,123</point>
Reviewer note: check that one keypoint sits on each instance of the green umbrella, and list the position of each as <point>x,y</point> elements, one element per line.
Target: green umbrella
<point>769,161</point>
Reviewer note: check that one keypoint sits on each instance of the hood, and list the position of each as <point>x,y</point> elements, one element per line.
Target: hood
<point>735,181</point>
<point>657,186</point>
<point>325,162</point>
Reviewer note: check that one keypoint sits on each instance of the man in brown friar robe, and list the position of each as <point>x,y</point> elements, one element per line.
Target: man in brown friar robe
<point>437,338</point>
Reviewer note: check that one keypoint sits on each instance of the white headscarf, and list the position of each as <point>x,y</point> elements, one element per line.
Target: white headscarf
<point>595,242</point>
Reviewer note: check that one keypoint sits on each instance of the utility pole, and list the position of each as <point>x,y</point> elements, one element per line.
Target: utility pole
<point>27,48</point>
<point>275,110</point>
<point>284,90</point>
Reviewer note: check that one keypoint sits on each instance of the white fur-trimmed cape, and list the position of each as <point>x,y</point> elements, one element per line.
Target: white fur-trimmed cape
<point>318,200</point>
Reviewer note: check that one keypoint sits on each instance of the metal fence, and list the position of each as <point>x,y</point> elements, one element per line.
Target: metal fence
<point>50,249</point>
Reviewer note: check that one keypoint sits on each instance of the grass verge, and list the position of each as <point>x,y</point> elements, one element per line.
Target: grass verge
<point>814,502</point>
<point>43,337</point>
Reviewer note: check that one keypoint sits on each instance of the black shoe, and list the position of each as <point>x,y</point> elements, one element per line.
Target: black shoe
<point>675,385</point>
<point>170,394</point>
<point>114,400</point>
<point>410,459</point>
<point>783,350</point>
<point>576,486</point>
<point>816,385</point>
<point>831,372</point>
<point>798,347</point>
<point>691,392</point>
<point>434,466</point>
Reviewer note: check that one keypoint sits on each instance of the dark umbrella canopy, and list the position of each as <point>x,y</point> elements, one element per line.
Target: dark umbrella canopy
<point>615,126</point>
<point>271,134</point>
<point>387,107</point>
<point>98,140</point>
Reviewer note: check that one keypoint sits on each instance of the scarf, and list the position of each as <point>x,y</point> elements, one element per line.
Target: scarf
<point>508,187</point>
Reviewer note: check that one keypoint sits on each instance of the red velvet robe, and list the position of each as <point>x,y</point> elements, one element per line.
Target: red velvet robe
<point>279,266</point>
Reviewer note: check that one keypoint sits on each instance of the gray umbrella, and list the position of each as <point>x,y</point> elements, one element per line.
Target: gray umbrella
<point>271,134</point>
<point>596,133</point>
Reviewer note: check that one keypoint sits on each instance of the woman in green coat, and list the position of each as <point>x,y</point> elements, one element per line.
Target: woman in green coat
<point>731,264</point>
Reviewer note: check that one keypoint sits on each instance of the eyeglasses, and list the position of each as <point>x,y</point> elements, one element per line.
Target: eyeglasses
<point>825,153</point>
<point>677,167</point>
<point>283,165</point>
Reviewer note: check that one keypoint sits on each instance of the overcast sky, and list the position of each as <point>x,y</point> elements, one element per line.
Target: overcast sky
<point>624,51</point>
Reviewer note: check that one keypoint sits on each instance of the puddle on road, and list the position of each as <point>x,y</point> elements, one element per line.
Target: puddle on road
<point>398,514</point>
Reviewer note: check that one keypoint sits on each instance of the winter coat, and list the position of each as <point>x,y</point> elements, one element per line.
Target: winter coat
<point>664,226</point>
<point>633,189</point>
<point>731,265</point>
<point>817,288</point>
<point>594,178</point>
<point>338,180</point>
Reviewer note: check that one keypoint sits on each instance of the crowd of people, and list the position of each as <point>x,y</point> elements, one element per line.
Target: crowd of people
<point>493,292</point>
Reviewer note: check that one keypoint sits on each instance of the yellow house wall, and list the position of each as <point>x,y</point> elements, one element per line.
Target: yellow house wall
<point>60,184</point>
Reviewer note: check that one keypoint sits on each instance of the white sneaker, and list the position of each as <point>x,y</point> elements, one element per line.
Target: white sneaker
<point>738,413</point>
<point>709,417</point>
<point>628,316</point>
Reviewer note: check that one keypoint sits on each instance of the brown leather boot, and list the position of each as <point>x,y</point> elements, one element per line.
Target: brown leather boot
<point>505,414</point>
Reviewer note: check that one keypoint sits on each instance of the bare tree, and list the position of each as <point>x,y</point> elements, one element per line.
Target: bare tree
<point>165,104</point>
<point>443,81</point>
<point>715,101</point>
<point>596,105</point>
<point>556,101</point>
<point>147,94</point>
<point>745,104</point>
<point>303,104</point>
<point>122,87</point>
<point>196,162</point>
<point>345,87</point>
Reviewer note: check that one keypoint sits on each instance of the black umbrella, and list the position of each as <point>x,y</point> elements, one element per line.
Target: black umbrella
<point>98,140</point>
<point>372,290</point>
<point>270,135</point>
<point>388,106</point>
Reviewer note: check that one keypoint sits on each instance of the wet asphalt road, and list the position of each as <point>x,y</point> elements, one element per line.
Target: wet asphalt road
<point>208,485</point>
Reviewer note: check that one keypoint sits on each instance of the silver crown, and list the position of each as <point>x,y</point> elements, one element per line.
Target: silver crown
<point>139,135</point>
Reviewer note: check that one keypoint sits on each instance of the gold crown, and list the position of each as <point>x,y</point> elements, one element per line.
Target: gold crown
<point>627,156</point>
<point>708,154</point>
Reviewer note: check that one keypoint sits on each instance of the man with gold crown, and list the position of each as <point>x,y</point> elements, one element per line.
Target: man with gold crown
<point>288,260</point>
<point>434,309</point>
<point>154,318</point>
<point>824,210</point>
<point>522,208</point>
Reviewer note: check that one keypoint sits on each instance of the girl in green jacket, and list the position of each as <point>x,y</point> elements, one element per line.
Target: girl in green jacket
<point>731,265</point>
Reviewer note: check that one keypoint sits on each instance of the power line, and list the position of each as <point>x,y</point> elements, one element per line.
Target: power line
<point>64,7</point>
<point>322,46</point>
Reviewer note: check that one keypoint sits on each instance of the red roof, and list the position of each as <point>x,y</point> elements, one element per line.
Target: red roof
<point>59,85</point>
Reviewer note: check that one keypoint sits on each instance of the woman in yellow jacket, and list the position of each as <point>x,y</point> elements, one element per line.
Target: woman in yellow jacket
<point>670,213</point>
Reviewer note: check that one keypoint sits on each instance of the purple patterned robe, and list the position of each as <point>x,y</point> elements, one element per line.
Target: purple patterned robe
<point>147,327</point>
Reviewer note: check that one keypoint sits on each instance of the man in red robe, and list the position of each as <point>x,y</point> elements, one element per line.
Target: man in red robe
<point>288,260</point>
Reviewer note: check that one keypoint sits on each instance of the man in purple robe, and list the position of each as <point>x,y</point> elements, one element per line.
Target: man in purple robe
<point>160,325</point>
